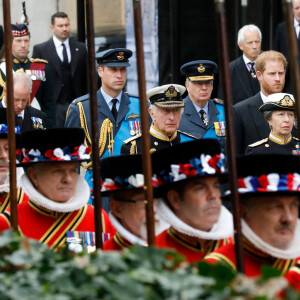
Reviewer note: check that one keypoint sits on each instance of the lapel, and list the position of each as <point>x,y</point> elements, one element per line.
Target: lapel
<point>212,113</point>
<point>259,121</point>
<point>243,75</point>
<point>191,113</point>
<point>74,56</point>
<point>103,107</point>
<point>124,107</point>
<point>56,62</point>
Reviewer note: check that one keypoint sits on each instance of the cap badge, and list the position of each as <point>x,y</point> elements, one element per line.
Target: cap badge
<point>120,56</point>
<point>287,101</point>
<point>201,69</point>
<point>171,92</point>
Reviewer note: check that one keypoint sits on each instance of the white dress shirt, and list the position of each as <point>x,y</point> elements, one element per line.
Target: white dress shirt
<point>59,48</point>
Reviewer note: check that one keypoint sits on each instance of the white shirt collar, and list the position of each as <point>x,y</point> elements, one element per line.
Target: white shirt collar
<point>296,26</point>
<point>21,114</point>
<point>247,60</point>
<point>58,43</point>
<point>263,97</point>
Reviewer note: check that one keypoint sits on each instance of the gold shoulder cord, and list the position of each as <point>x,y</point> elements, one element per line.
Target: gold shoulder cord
<point>133,148</point>
<point>106,130</point>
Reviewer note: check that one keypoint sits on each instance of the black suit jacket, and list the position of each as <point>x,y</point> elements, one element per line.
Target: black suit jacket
<point>249,123</point>
<point>47,51</point>
<point>243,85</point>
<point>29,113</point>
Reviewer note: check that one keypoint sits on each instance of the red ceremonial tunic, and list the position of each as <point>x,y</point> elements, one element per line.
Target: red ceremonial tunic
<point>50,227</point>
<point>117,243</point>
<point>4,199</point>
<point>194,249</point>
<point>293,276</point>
<point>254,259</point>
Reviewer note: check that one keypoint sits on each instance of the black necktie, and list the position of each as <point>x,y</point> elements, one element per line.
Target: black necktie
<point>114,108</point>
<point>65,55</point>
<point>204,117</point>
<point>252,70</point>
<point>19,121</point>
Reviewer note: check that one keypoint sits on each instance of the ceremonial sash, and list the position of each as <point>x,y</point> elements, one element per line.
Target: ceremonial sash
<point>36,83</point>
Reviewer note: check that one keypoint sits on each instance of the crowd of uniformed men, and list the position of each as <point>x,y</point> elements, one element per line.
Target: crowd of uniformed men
<point>187,145</point>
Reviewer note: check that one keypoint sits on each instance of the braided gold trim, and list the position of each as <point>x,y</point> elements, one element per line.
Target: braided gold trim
<point>2,82</point>
<point>133,148</point>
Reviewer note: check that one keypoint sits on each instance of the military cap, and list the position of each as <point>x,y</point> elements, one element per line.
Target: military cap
<point>19,30</point>
<point>181,162</point>
<point>52,145</point>
<point>167,96</point>
<point>273,174</point>
<point>121,173</point>
<point>199,70</point>
<point>4,128</point>
<point>114,57</point>
<point>278,101</point>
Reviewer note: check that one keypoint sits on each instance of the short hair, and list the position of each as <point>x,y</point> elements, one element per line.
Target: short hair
<point>268,115</point>
<point>271,55</point>
<point>59,14</point>
<point>251,28</point>
<point>23,79</point>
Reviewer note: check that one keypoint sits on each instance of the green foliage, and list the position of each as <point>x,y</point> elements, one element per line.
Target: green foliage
<point>29,270</point>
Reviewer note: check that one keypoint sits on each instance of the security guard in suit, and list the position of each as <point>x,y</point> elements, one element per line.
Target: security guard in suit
<point>166,108</point>
<point>116,109</point>
<point>279,111</point>
<point>202,116</point>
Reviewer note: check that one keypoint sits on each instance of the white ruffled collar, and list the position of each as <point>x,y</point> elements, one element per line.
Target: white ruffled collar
<point>79,200</point>
<point>4,188</point>
<point>221,230</point>
<point>131,238</point>
<point>291,253</point>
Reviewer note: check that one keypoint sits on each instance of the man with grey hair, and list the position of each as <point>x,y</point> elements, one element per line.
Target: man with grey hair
<point>27,117</point>
<point>166,108</point>
<point>243,75</point>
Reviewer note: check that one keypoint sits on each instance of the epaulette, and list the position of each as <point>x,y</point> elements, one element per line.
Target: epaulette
<point>82,98</point>
<point>218,101</point>
<point>39,60</point>
<point>296,139</point>
<point>132,138</point>
<point>187,134</point>
<point>258,143</point>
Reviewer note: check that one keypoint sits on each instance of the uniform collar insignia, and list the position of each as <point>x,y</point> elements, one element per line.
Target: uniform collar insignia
<point>279,140</point>
<point>161,136</point>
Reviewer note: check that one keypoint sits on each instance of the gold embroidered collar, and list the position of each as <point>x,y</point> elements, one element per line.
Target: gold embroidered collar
<point>161,136</point>
<point>17,61</point>
<point>278,139</point>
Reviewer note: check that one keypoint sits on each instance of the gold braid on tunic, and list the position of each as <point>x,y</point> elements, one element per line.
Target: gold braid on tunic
<point>133,148</point>
<point>105,131</point>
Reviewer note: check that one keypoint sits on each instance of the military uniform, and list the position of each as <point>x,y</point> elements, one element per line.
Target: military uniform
<point>192,248</point>
<point>157,141</point>
<point>39,73</point>
<point>293,276</point>
<point>207,121</point>
<point>275,145</point>
<point>254,259</point>
<point>5,199</point>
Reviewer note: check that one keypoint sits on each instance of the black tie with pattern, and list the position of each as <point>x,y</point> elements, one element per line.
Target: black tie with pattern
<point>252,70</point>
<point>204,117</point>
<point>114,108</point>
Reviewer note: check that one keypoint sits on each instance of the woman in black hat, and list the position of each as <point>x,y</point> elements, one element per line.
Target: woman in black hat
<point>279,112</point>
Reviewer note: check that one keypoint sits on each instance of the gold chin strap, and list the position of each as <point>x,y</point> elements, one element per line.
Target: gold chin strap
<point>105,131</point>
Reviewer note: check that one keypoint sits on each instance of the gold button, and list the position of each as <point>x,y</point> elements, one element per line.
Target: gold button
<point>155,143</point>
<point>267,145</point>
<point>297,146</point>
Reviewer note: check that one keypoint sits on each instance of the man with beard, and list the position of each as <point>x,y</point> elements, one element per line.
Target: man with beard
<point>58,196</point>
<point>269,192</point>
<point>123,181</point>
<point>166,108</point>
<point>192,205</point>
<point>4,172</point>
<point>249,123</point>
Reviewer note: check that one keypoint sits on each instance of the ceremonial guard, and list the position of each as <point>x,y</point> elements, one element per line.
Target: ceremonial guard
<point>166,108</point>
<point>4,171</point>
<point>269,192</point>
<point>279,112</point>
<point>117,111</point>
<point>36,69</point>
<point>202,116</point>
<point>188,176</point>
<point>58,196</point>
<point>123,182</point>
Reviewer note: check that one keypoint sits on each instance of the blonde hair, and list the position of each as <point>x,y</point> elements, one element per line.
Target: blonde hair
<point>271,55</point>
